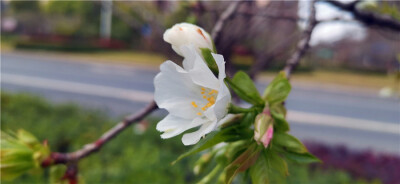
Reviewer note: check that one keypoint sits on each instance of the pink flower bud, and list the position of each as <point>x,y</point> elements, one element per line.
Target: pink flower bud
<point>263,129</point>
<point>266,138</point>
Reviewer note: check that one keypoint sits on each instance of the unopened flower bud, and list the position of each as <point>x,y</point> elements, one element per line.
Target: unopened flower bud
<point>263,129</point>
<point>186,34</point>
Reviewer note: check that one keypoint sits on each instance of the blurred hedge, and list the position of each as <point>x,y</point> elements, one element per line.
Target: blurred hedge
<point>130,158</point>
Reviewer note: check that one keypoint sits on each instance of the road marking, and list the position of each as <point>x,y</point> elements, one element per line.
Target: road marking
<point>76,87</point>
<point>342,122</point>
<point>141,96</point>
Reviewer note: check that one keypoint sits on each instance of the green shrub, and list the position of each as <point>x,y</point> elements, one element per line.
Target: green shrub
<point>130,158</point>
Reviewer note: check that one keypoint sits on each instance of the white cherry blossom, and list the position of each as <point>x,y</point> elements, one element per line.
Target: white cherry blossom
<point>184,34</point>
<point>192,95</point>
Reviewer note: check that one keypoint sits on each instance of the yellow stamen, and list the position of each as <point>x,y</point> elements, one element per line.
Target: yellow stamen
<point>203,89</point>
<point>212,91</point>
<point>194,104</point>
<point>211,100</point>
<point>202,92</point>
<point>204,96</point>
<point>204,108</point>
<point>199,113</point>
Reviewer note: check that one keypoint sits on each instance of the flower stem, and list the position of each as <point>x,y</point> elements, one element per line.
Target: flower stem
<point>237,110</point>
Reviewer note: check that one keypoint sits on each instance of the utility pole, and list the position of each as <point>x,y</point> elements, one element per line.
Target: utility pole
<point>105,19</point>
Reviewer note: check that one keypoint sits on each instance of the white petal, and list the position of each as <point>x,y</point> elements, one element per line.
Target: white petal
<point>171,122</point>
<point>185,33</point>
<point>224,97</point>
<point>174,91</point>
<point>219,59</point>
<point>189,57</point>
<point>174,126</point>
<point>221,105</point>
<point>172,133</point>
<point>194,137</point>
<point>198,69</point>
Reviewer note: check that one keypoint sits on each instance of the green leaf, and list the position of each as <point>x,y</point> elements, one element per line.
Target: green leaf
<point>269,168</point>
<point>259,171</point>
<point>248,119</point>
<point>56,174</point>
<point>20,153</point>
<point>278,90</point>
<point>212,139</point>
<point>288,142</point>
<point>301,158</point>
<point>242,163</point>
<point>244,87</point>
<point>212,64</point>
<point>27,137</point>
<point>279,108</point>
<point>276,163</point>
<point>278,113</point>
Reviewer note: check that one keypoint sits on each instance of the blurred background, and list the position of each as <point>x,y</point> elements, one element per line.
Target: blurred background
<point>70,69</point>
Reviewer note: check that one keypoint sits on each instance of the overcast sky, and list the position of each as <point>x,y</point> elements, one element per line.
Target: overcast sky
<point>329,32</point>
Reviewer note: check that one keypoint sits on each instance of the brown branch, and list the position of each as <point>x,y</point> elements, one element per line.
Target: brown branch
<point>227,14</point>
<point>63,158</point>
<point>265,57</point>
<point>368,18</point>
<point>303,44</point>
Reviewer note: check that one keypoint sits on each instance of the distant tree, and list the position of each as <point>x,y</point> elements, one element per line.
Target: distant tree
<point>74,18</point>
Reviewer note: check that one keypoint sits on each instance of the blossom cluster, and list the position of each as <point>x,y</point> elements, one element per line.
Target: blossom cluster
<point>197,96</point>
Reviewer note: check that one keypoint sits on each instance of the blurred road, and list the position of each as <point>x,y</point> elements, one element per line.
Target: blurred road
<point>333,116</point>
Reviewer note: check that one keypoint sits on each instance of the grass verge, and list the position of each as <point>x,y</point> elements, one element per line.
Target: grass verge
<point>130,158</point>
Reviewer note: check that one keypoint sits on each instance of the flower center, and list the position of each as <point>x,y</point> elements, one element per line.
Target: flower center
<point>210,96</point>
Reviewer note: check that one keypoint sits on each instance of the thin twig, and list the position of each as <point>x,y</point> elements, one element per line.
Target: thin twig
<point>74,157</point>
<point>63,158</point>
<point>303,44</point>
<point>368,18</point>
<point>227,14</point>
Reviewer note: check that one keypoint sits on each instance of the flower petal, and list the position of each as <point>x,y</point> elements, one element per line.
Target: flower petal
<point>224,97</point>
<point>174,91</point>
<point>194,137</point>
<point>198,69</point>
<point>171,122</point>
<point>185,33</point>
<point>172,125</point>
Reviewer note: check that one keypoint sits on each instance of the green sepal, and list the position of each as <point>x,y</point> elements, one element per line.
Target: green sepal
<point>278,90</point>
<point>278,113</point>
<point>301,158</point>
<point>244,87</point>
<point>288,142</point>
<point>211,63</point>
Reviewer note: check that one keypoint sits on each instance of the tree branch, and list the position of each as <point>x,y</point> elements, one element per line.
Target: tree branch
<point>368,18</point>
<point>63,158</point>
<point>303,44</point>
<point>227,14</point>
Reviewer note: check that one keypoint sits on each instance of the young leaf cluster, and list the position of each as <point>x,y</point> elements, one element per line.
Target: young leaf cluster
<point>232,150</point>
